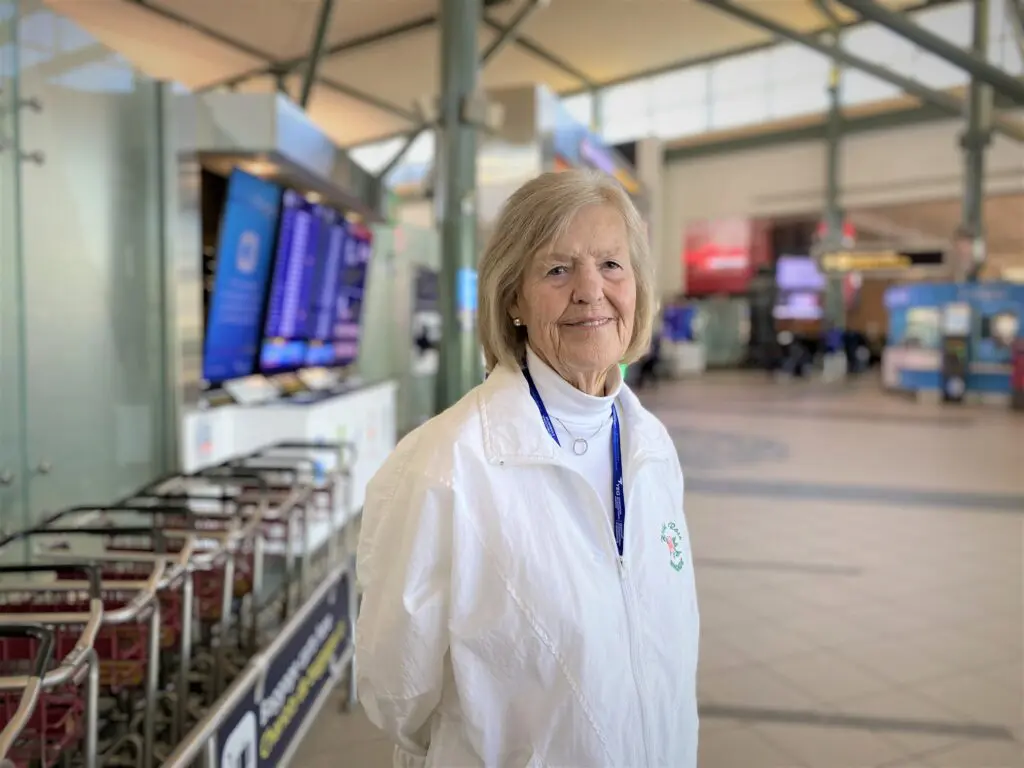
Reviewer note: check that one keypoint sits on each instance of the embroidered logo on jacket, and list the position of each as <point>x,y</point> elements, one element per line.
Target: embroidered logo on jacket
<point>674,541</point>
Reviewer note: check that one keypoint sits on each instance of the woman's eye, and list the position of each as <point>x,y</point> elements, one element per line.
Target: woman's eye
<point>556,271</point>
<point>613,265</point>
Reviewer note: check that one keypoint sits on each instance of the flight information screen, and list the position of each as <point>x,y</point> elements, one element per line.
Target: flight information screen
<point>320,351</point>
<point>242,268</point>
<point>289,306</point>
<point>351,289</point>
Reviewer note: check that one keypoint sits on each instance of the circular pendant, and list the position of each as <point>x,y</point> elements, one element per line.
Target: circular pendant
<point>579,446</point>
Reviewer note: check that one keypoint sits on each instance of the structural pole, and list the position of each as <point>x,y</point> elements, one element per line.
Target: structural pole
<point>455,199</point>
<point>835,313</point>
<point>323,23</point>
<point>975,142</point>
<point>833,139</point>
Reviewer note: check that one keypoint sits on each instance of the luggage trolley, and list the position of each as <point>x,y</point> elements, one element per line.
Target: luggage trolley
<point>218,508</point>
<point>326,468</point>
<point>176,594</point>
<point>216,539</point>
<point>134,567</point>
<point>59,716</point>
<point>52,718</point>
<point>285,516</point>
<point>218,497</point>
<point>18,710</point>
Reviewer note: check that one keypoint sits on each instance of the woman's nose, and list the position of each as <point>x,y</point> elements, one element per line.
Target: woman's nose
<point>587,287</point>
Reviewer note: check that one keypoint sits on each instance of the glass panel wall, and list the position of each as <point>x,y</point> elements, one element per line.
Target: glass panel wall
<point>91,263</point>
<point>13,487</point>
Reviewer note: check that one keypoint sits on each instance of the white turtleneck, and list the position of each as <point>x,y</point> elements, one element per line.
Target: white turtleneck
<point>576,414</point>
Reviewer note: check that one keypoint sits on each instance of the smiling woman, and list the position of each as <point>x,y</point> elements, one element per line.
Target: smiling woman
<point>568,247</point>
<point>513,614</point>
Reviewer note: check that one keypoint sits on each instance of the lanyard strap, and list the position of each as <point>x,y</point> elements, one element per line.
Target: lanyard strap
<point>618,491</point>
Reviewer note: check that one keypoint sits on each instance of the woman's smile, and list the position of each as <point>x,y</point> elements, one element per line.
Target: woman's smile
<point>589,324</point>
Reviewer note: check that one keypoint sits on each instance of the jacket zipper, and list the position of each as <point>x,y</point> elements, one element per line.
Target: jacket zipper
<point>628,598</point>
<point>626,586</point>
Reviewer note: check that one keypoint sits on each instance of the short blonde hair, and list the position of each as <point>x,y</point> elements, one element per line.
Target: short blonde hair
<point>531,220</point>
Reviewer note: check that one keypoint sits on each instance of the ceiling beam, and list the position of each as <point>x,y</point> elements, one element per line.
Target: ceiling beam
<point>743,50</point>
<point>979,68</point>
<point>816,131</point>
<point>509,35</point>
<point>316,51</point>
<point>947,102</point>
<point>272,64</point>
<point>544,55</point>
<point>345,46</point>
<point>410,139</point>
<point>511,32</point>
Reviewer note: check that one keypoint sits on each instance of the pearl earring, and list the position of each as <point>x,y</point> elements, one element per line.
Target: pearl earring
<point>516,322</point>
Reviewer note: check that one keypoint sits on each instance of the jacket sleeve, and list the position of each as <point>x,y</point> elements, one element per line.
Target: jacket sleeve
<point>403,566</point>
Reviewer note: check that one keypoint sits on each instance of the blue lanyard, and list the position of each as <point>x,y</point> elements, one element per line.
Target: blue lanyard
<point>618,489</point>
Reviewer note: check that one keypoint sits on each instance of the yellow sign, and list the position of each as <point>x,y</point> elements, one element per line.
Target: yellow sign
<point>864,262</point>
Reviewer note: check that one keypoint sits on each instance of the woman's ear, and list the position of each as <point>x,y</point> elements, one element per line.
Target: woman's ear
<point>514,310</point>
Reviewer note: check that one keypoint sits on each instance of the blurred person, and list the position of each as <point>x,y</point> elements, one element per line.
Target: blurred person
<point>528,588</point>
<point>648,368</point>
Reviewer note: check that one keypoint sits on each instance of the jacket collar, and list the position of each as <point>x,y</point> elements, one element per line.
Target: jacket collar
<point>514,431</point>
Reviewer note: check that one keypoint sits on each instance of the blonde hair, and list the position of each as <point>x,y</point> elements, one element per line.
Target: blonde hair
<point>532,219</point>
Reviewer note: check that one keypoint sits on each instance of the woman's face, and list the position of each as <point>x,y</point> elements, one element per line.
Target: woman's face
<point>577,299</point>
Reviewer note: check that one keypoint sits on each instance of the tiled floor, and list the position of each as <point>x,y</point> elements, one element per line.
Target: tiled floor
<point>860,562</point>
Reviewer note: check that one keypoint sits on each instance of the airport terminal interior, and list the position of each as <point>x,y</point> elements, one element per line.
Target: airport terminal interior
<point>239,243</point>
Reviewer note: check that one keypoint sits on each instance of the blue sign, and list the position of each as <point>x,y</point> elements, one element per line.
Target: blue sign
<point>242,269</point>
<point>266,722</point>
<point>996,309</point>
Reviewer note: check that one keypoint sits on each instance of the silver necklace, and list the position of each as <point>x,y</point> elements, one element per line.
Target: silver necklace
<point>580,445</point>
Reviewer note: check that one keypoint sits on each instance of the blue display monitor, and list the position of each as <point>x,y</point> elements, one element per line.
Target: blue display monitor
<point>320,351</point>
<point>287,328</point>
<point>244,249</point>
<point>351,289</point>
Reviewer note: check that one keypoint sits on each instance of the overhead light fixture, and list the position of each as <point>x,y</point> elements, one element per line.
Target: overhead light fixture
<point>260,167</point>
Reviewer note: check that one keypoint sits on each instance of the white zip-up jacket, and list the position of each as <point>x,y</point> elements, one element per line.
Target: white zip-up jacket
<point>498,626</point>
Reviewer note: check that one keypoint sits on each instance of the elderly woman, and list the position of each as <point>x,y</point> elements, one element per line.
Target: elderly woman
<point>528,585</point>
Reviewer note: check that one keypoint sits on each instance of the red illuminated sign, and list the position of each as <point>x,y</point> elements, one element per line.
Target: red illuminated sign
<point>721,255</point>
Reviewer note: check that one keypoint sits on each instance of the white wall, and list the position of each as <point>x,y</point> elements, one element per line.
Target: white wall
<point>902,165</point>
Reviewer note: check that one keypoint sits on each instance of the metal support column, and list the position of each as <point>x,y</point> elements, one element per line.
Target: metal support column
<point>323,23</point>
<point>456,199</point>
<point>833,139</point>
<point>975,142</point>
<point>835,313</point>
